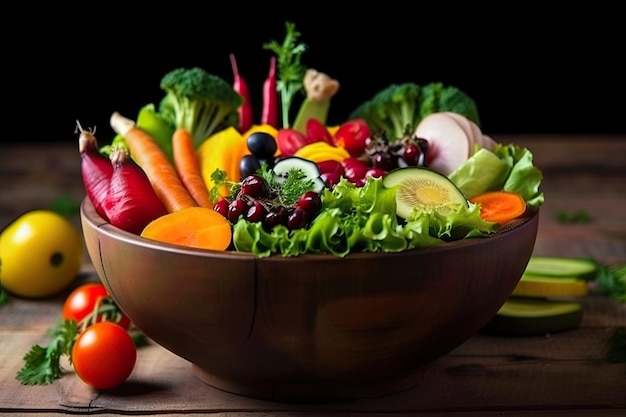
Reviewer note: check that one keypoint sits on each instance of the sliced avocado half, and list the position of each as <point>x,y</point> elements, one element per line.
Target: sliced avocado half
<point>521,316</point>
<point>420,187</point>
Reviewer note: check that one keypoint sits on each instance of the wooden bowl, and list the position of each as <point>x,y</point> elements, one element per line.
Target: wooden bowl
<point>310,327</point>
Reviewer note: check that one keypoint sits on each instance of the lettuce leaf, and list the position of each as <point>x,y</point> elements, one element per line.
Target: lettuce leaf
<point>506,167</point>
<point>361,219</point>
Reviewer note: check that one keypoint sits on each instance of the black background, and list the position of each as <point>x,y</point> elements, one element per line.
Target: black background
<point>528,70</point>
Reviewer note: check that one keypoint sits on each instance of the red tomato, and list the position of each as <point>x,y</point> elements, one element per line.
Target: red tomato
<point>104,355</point>
<point>82,301</point>
<point>353,135</point>
<point>316,131</point>
<point>290,140</point>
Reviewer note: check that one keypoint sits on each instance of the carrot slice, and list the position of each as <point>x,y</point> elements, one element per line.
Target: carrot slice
<point>196,227</point>
<point>500,206</point>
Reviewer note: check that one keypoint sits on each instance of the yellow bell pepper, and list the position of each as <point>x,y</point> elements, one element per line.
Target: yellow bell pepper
<point>222,150</point>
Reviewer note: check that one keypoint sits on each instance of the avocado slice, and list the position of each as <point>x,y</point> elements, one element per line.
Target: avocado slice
<point>552,266</point>
<point>521,316</point>
<point>424,188</point>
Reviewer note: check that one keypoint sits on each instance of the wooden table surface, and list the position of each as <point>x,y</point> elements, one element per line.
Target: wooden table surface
<point>559,374</point>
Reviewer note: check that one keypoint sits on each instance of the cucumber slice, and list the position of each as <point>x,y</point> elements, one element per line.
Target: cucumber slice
<point>532,317</point>
<point>539,286</point>
<point>423,188</point>
<point>308,170</point>
<point>562,267</point>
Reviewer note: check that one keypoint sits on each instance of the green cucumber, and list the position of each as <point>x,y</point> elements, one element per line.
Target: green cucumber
<point>419,187</point>
<point>534,317</point>
<point>550,266</point>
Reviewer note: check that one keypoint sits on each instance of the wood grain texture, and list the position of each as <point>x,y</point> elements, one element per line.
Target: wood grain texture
<point>561,374</point>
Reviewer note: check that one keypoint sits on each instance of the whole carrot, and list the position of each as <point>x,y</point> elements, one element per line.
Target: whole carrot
<point>270,97</point>
<point>240,85</point>
<point>151,158</point>
<point>188,167</point>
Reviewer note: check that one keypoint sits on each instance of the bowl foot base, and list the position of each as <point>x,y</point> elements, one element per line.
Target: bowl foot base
<point>304,391</point>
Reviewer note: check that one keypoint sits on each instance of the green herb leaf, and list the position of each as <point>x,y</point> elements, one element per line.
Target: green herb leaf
<point>42,364</point>
<point>290,69</point>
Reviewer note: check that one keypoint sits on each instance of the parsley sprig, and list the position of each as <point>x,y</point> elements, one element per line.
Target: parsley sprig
<point>290,69</point>
<point>43,364</point>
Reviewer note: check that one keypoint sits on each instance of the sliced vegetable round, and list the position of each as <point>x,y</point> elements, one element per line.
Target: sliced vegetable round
<point>550,266</point>
<point>422,188</point>
<point>536,286</point>
<point>534,317</point>
<point>500,206</point>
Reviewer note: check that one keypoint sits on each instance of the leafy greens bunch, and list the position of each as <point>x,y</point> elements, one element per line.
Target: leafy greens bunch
<point>398,109</point>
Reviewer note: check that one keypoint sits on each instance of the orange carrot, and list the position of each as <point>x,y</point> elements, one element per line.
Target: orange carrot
<point>188,167</point>
<point>196,227</point>
<point>500,206</point>
<point>153,160</point>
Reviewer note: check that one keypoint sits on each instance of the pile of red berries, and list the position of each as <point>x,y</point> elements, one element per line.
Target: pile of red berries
<point>256,201</point>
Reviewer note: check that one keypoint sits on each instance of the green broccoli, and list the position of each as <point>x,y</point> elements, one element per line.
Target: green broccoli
<point>200,102</point>
<point>393,110</point>
<point>399,108</point>
<point>436,98</point>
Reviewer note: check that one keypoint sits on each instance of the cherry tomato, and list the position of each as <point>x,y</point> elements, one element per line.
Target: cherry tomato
<point>352,135</point>
<point>42,252</point>
<point>104,355</point>
<point>290,140</point>
<point>316,131</point>
<point>82,301</point>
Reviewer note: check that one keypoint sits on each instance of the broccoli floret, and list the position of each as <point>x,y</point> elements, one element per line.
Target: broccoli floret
<point>437,98</point>
<point>399,108</point>
<point>200,102</point>
<point>394,110</point>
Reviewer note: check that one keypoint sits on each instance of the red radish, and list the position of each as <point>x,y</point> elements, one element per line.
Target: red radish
<point>131,202</point>
<point>96,169</point>
<point>448,143</point>
<point>317,132</point>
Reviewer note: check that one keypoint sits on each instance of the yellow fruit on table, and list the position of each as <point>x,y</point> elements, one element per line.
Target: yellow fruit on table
<point>40,254</point>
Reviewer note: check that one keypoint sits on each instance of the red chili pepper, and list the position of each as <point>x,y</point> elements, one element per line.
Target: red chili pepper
<point>270,97</point>
<point>240,85</point>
